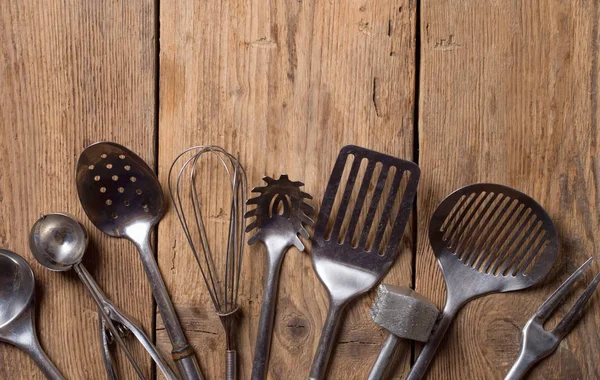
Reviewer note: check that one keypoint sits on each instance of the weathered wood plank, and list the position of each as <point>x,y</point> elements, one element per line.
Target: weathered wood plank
<point>283,85</point>
<point>509,94</point>
<point>72,73</point>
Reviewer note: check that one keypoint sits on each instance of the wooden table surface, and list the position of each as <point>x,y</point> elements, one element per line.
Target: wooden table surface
<point>473,91</point>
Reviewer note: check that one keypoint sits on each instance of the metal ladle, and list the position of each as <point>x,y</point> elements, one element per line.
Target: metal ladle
<point>17,317</point>
<point>58,242</point>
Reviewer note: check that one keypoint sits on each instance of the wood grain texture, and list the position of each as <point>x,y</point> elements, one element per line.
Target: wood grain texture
<point>283,85</point>
<point>72,73</point>
<point>509,94</point>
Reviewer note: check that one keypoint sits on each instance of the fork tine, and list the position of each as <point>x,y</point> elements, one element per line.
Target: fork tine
<point>576,311</point>
<point>545,309</point>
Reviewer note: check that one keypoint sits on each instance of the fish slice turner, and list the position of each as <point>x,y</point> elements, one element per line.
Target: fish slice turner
<point>350,261</point>
<point>487,238</point>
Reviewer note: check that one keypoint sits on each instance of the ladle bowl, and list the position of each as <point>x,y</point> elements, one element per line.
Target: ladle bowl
<point>58,241</point>
<point>17,294</point>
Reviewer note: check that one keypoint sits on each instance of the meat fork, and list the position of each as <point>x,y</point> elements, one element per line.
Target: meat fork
<point>539,343</point>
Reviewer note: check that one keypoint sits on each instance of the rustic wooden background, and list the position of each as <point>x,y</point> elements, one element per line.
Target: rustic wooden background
<point>501,91</point>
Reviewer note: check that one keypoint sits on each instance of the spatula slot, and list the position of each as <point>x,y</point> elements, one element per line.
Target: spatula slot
<point>358,180</point>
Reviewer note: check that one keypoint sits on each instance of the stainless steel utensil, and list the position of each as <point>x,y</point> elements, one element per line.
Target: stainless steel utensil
<point>279,217</point>
<point>406,314</point>
<point>17,315</point>
<point>487,238</point>
<point>348,260</point>
<point>539,343</point>
<point>58,242</point>
<point>186,194</point>
<point>122,197</point>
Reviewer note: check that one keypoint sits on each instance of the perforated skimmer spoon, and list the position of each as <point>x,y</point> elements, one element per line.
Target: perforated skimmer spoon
<point>122,197</point>
<point>17,316</point>
<point>351,261</point>
<point>487,238</point>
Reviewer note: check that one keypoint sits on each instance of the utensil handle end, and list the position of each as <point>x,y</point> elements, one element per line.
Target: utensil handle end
<point>231,373</point>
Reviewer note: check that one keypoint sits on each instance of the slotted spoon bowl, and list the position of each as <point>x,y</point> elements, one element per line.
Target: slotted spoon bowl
<point>348,262</point>
<point>121,195</point>
<point>487,238</point>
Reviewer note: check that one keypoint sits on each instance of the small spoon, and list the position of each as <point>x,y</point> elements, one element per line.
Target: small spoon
<point>58,242</point>
<point>17,317</point>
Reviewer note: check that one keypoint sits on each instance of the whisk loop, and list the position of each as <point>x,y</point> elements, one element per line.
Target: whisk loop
<point>185,191</point>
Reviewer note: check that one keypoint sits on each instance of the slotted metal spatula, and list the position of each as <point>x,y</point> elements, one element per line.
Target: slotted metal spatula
<point>348,260</point>
<point>487,239</point>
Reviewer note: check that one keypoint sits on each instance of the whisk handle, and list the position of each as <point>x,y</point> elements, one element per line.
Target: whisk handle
<point>231,373</point>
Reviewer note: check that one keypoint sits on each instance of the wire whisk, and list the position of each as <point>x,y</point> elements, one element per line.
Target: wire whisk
<point>190,179</point>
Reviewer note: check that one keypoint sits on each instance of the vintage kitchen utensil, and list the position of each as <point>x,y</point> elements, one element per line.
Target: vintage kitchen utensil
<point>405,314</point>
<point>539,343</point>
<point>122,197</point>
<point>58,242</point>
<point>17,314</point>
<point>348,260</point>
<point>190,177</point>
<point>487,238</point>
<point>279,217</point>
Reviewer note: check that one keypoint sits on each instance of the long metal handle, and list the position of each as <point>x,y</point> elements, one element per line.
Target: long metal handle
<point>100,300</point>
<point>231,370</point>
<point>420,368</point>
<point>117,315</point>
<point>106,355</point>
<point>26,339</point>
<point>267,314</point>
<point>523,364</point>
<point>41,359</point>
<point>384,358</point>
<point>327,340</point>
<point>23,336</point>
<point>183,353</point>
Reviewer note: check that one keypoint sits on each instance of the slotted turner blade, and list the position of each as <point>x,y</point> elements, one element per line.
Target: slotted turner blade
<point>487,238</point>
<point>358,231</point>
